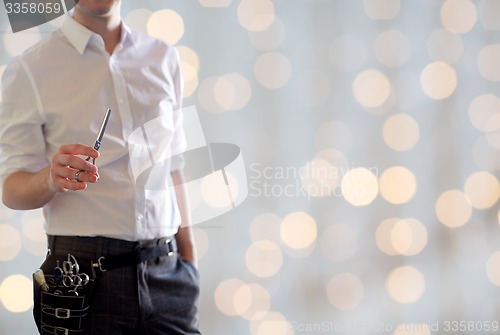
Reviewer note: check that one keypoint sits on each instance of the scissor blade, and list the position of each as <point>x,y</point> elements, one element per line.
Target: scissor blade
<point>100,134</point>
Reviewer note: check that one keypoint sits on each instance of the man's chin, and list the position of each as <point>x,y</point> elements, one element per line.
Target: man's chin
<point>97,11</point>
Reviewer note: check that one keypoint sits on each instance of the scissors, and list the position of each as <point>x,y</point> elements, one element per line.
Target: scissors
<point>100,134</point>
<point>97,143</point>
<point>69,275</point>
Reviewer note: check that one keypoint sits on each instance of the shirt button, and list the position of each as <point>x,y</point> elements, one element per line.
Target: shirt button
<point>140,217</point>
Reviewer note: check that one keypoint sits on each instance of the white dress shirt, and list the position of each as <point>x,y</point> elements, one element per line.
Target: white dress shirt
<point>57,93</point>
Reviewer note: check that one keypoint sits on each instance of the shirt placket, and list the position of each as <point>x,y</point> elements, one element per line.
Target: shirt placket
<point>119,86</point>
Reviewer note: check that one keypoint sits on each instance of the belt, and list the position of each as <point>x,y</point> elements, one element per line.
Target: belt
<point>150,251</point>
<point>105,263</point>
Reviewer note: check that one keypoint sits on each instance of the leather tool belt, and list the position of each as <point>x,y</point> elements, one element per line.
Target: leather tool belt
<point>63,285</point>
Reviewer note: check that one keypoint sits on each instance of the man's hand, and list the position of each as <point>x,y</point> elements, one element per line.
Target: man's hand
<point>65,165</point>
<point>29,190</point>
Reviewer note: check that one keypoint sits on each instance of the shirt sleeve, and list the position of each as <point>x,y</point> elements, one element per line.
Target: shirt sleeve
<point>178,145</point>
<point>22,144</point>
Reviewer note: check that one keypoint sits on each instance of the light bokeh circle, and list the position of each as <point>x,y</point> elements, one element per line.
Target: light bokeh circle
<point>167,25</point>
<point>381,9</point>
<point>439,80</point>
<point>458,16</point>
<point>298,230</point>
<point>264,258</point>
<point>359,186</point>
<point>405,284</point>
<point>345,291</point>
<point>256,15</point>
<point>371,88</point>
<point>487,62</point>
<point>445,46</point>
<point>484,112</point>
<point>453,208</point>
<point>392,48</point>
<point>493,268</point>
<point>401,132</point>
<point>482,189</point>
<point>273,70</point>
<point>10,242</point>
<point>397,184</point>
<point>16,293</point>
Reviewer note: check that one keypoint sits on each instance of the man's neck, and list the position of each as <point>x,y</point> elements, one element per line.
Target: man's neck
<point>109,26</point>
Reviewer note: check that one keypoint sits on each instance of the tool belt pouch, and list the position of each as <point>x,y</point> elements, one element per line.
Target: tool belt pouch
<point>62,306</point>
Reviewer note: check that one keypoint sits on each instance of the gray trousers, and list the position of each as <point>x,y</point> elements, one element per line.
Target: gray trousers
<point>157,297</point>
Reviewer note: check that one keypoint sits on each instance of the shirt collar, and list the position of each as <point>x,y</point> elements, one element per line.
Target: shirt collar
<point>79,36</point>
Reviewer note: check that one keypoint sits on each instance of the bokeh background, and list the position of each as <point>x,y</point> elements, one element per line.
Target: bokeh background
<point>370,135</point>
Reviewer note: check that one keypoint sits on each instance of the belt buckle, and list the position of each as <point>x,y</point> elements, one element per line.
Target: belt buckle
<point>61,331</point>
<point>62,313</point>
<point>170,251</point>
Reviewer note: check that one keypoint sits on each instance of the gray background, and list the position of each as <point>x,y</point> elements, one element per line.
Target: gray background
<point>277,130</point>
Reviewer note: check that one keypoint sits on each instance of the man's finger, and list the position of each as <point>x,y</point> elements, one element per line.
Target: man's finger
<point>78,149</point>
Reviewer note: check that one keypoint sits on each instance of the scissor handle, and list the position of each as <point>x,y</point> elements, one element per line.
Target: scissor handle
<point>68,267</point>
<point>68,281</point>
<point>84,278</point>
<point>58,272</point>
<point>97,145</point>
<point>71,265</point>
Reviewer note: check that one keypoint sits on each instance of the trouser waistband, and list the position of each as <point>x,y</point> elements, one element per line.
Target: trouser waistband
<point>110,253</point>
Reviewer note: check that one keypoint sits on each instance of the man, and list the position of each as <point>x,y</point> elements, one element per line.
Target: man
<point>54,99</point>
